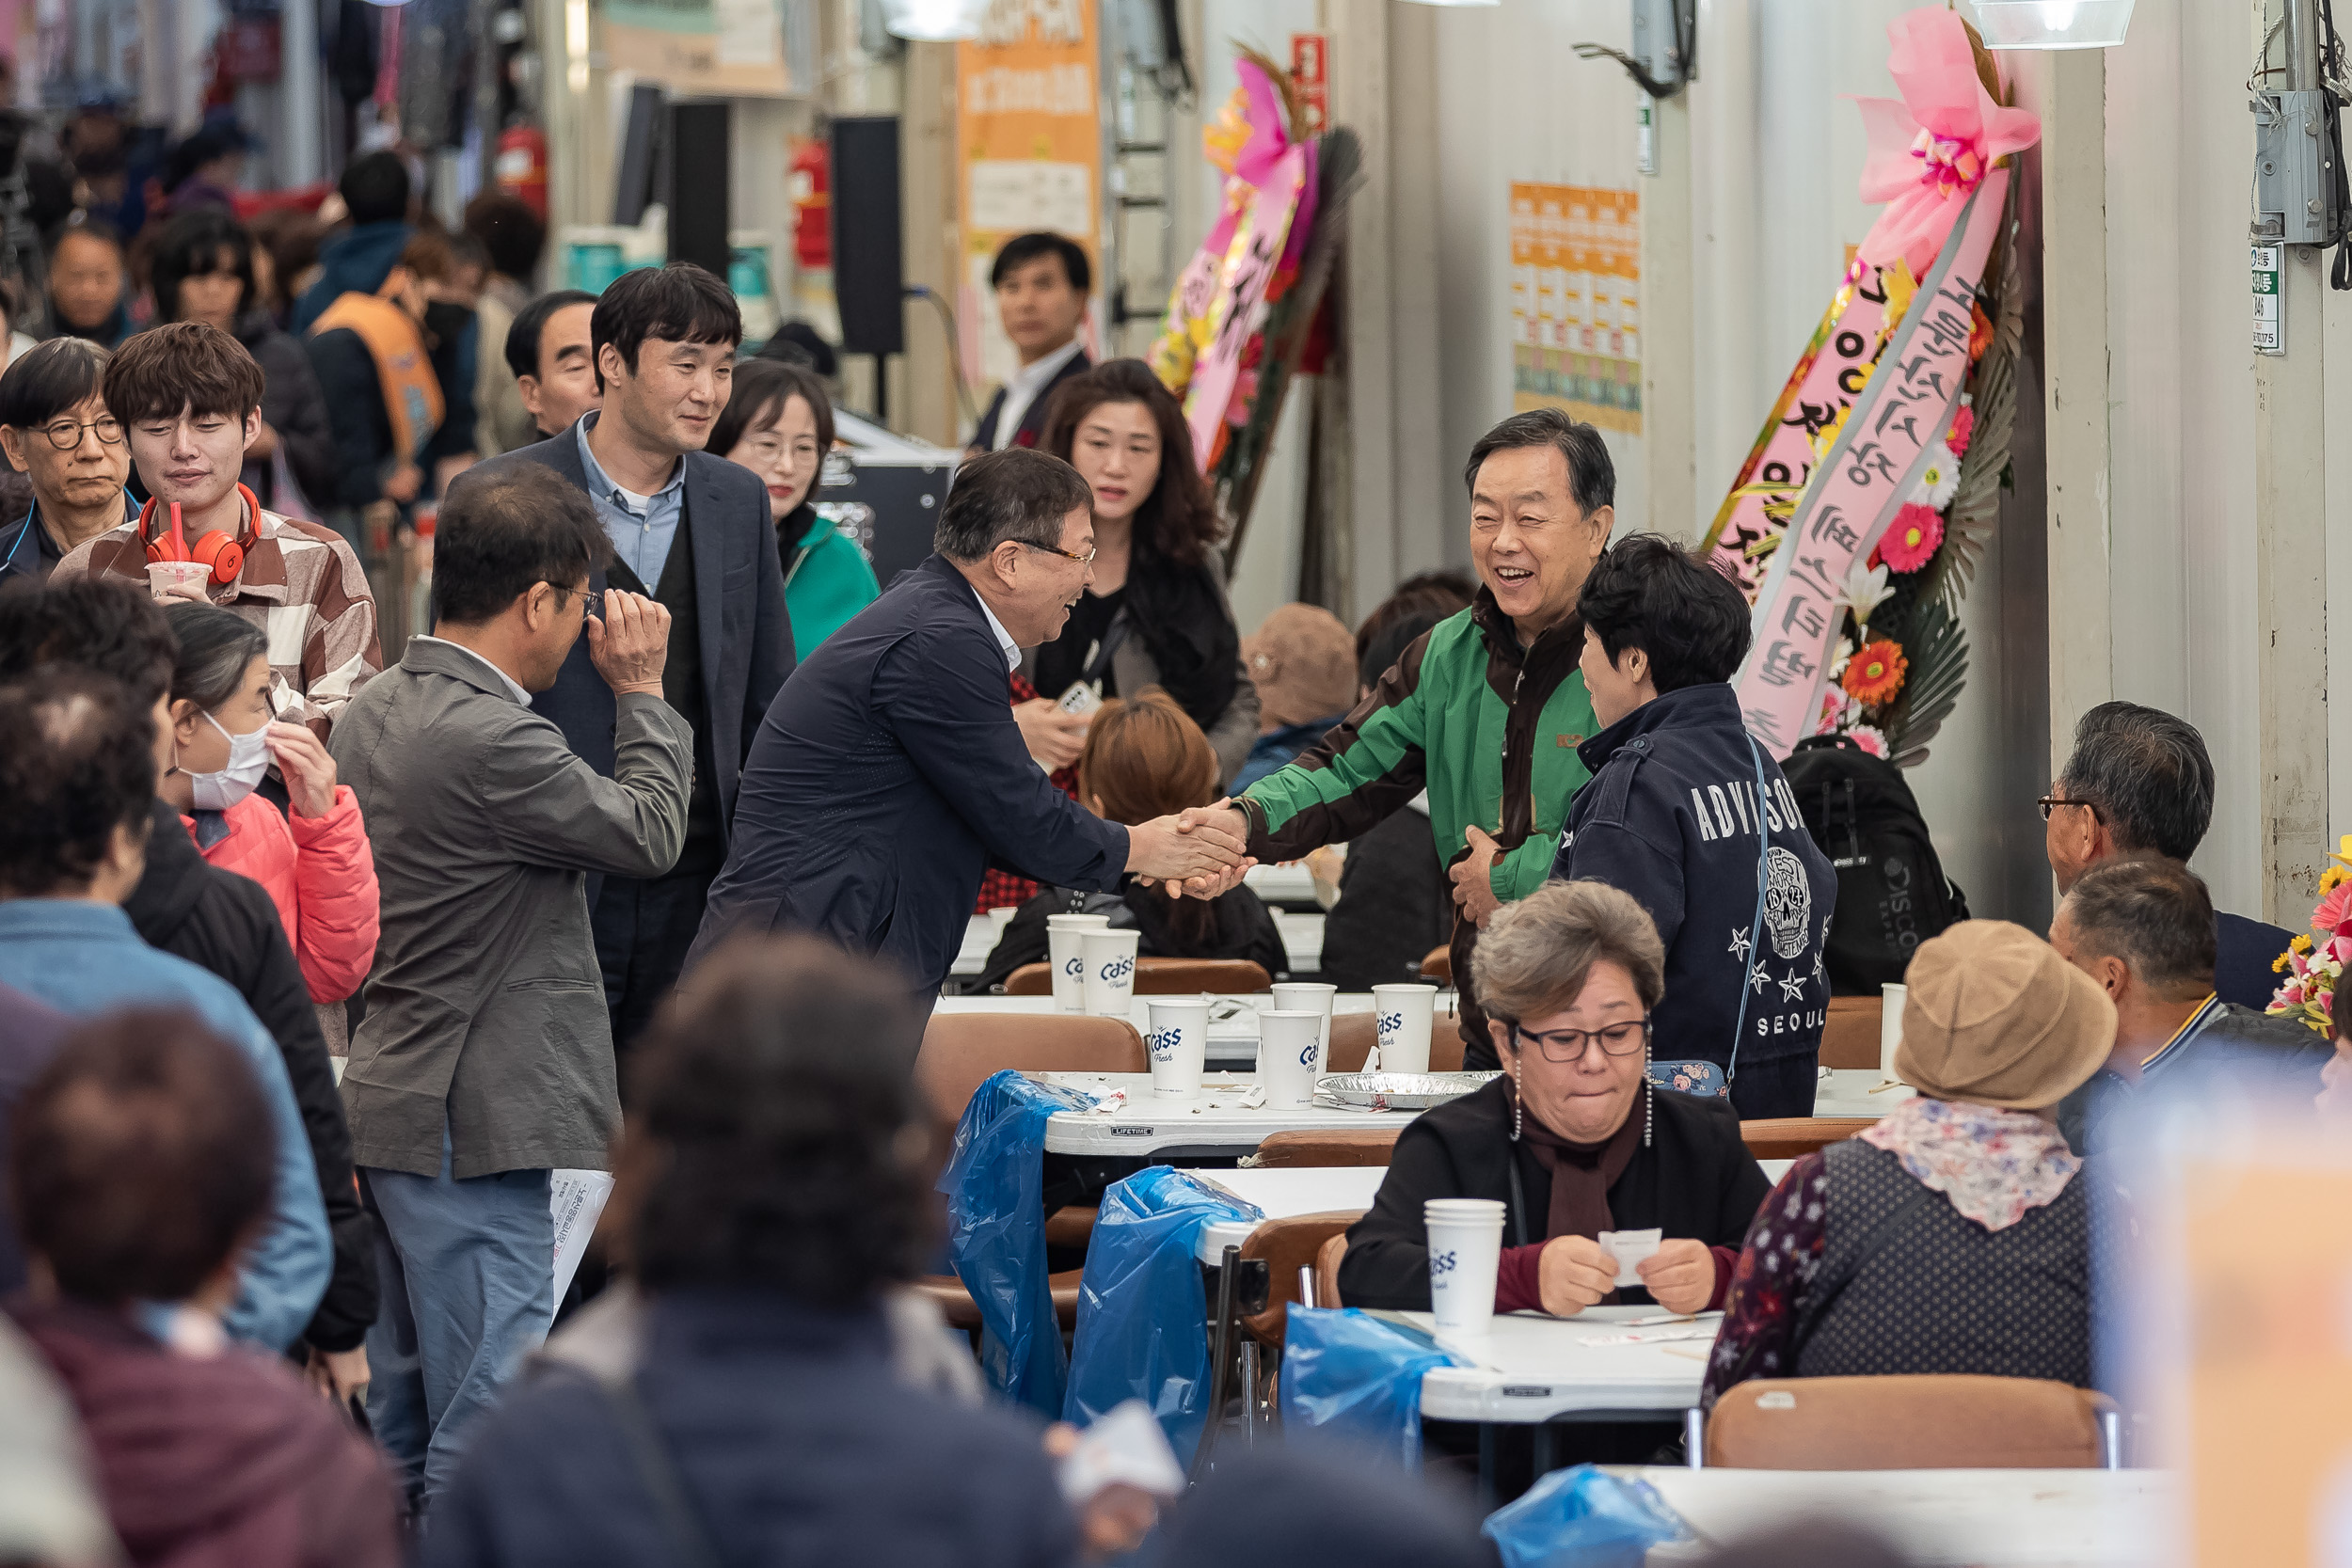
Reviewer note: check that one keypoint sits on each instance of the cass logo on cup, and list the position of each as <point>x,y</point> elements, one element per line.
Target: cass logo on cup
<point>1440,1262</point>
<point>1306,1056</point>
<point>1390,1023</point>
<point>1163,1044</point>
<point>1117,969</point>
<point>1075,968</point>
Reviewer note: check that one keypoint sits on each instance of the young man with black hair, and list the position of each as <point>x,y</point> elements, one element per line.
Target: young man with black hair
<point>1693,818</point>
<point>189,397</point>
<point>485,1057</point>
<point>553,355</point>
<point>690,531</point>
<point>375,190</point>
<point>1041,282</point>
<point>55,430</point>
<point>385,397</point>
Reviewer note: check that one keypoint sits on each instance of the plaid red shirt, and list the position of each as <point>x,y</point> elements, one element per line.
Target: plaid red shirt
<point>1001,889</point>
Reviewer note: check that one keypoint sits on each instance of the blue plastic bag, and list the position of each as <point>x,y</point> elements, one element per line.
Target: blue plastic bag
<point>1583,1517</point>
<point>1142,1313</point>
<point>1357,1376</point>
<point>996,1188</point>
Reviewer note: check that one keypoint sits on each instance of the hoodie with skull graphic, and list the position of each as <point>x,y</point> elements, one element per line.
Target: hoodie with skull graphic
<point>1672,816</point>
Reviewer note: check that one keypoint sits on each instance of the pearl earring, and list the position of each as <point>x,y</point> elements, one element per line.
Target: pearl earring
<point>1649,1095</point>
<point>1518,1100</point>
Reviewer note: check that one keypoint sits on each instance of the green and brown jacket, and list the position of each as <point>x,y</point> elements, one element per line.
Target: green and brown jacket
<point>1489,728</point>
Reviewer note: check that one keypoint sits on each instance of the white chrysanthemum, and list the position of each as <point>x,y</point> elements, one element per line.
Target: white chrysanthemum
<point>1938,480</point>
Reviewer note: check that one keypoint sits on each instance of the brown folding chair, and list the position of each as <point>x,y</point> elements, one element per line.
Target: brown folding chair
<point>1941,1422</point>
<point>1288,1246</point>
<point>1850,1037</point>
<point>960,1052</point>
<point>1789,1138</point>
<point>1328,1271</point>
<point>1438,966</point>
<point>1161,977</point>
<point>1353,1036</point>
<point>1345,1145</point>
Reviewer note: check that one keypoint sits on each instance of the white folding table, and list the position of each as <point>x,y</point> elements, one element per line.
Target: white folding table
<point>1232,1040</point>
<point>1301,934</point>
<point>1214,1126</point>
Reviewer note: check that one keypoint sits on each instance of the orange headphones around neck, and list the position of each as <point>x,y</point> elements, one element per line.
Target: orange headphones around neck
<point>223,554</point>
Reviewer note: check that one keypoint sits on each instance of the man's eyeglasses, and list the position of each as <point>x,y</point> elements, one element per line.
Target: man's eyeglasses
<point>65,434</point>
<point>1086,559</point>
<point>2051,802</point>
<point>1570,1045</point>
<point>587,598</point>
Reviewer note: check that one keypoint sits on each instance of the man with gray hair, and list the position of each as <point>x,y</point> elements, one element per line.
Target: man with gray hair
<point>2141,783</point>
<point>889,773</point>
<point>2143,928</point>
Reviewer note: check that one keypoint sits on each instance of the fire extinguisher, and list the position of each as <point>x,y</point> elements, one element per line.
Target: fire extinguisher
<point>523,166</point>
<point>812,202</point>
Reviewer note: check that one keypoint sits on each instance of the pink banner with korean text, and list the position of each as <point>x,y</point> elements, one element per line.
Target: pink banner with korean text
<point>1884,443</point>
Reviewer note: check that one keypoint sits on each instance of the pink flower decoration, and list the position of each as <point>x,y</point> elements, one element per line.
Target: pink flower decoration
<point>1963,427</point>
<point>2333,909</point>
<point>1931,149</point>
<point>1911,539</point>
<point>1870,738</point>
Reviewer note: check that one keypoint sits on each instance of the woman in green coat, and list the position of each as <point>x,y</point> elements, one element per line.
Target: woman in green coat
<point>779,424</point>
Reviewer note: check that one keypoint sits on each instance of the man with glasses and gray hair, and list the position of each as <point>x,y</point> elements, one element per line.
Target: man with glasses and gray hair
<point>2140,783</point>
<point>55,431</point>
<point>889,773</point>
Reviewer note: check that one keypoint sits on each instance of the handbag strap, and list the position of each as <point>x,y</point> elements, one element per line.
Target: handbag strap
<point>1755,921</point>
<point>689,1541</point>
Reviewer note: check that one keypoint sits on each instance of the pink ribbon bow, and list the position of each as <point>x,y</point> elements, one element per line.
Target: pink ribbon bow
<point>1932,147</point>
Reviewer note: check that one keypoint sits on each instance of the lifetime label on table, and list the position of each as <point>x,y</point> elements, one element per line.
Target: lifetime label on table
<point>1524,1391</point>
<point>1118,1132</point>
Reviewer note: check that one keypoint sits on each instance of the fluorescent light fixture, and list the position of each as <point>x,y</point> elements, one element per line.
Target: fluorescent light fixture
<point>2053,24</point>
<point>1449,4</point>
<point>934,21</point>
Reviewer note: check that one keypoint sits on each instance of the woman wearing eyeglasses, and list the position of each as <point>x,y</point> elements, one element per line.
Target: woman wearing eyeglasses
<point>1571,1138</point>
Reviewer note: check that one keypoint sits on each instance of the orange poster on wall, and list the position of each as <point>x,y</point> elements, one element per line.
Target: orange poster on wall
<point>1576,271</point>
<point>1028,152</point>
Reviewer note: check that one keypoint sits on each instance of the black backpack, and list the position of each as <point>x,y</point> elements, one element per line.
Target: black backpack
<point>1892,893</point>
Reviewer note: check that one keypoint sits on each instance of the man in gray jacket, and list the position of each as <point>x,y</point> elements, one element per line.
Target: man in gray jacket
<point>486,1058</point>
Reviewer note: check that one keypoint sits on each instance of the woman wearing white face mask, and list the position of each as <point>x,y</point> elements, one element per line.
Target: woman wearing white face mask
<point>315,864</point>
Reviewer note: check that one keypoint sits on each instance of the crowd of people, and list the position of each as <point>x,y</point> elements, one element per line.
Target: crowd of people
<point>654,854</point>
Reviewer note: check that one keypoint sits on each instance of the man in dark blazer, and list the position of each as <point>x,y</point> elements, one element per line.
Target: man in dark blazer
<point>690,529</point>
<point>890,773</point>
<point>1041,282</point>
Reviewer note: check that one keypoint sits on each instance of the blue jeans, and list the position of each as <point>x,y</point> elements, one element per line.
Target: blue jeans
<point>466,1271</point>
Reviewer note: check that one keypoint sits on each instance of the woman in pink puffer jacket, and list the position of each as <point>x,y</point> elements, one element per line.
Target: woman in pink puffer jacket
<point>315,863</point>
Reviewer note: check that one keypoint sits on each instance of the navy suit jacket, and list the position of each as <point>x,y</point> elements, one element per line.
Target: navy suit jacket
<point>887,776</point>
<point>1032,430</point>
<point>745,634</point>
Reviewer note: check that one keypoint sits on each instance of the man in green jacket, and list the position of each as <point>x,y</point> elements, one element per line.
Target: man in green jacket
<point>1485,711</point>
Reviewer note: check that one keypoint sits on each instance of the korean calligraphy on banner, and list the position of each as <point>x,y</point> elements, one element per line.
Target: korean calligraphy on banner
<point>1576,329</point>
<point>1905,409</point>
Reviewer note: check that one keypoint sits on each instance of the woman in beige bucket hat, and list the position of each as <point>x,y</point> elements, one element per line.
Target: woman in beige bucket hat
<point>1952,1236</point>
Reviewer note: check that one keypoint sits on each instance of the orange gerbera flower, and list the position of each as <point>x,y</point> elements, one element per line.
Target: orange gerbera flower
<point>1875,673</point>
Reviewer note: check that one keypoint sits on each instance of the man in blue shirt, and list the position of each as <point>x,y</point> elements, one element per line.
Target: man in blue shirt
<point>78,772</point>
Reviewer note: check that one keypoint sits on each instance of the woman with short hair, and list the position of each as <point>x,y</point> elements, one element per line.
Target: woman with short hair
<point>1570,1137</point>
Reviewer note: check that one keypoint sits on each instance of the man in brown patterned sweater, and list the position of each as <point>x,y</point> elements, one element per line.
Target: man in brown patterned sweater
<point>190,397</point>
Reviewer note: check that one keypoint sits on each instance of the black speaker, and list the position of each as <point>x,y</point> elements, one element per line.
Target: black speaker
<point>868,265</point>
<point>698,186</point>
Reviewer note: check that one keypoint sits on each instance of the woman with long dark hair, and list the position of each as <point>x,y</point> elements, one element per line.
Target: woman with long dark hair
<point>203,271</point>
<point>1157,614</point>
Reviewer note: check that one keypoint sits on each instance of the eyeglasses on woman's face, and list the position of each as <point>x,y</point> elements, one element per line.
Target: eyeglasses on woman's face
<point>1566,1046</point>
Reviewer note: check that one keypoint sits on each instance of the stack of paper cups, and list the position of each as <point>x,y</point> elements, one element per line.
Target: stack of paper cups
<point>1465,1250</point>
<point>1289,1045</point>
<point>1178,1043</point>
<point>1404,1014</point>
<point>1061,950</point>
<point>1310,997</point>
<point>1109,957</point>
<point>1890,1029</point>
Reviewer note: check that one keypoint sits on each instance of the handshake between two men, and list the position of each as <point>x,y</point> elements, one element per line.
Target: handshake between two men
<point>1201,852</point>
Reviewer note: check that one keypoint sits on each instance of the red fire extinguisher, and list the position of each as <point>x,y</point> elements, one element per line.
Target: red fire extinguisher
<point>812,202</point>
<point>523,166</point>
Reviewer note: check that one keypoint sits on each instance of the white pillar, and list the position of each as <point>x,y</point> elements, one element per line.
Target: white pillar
<point>1669,339</point>
<point>299,156</point>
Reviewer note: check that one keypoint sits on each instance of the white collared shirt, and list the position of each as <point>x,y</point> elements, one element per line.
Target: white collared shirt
<point>1023,390</point>
<point>1004,638</point>
<point>520,695</point>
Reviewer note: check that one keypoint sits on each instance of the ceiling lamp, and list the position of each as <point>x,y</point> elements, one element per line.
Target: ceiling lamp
<point>2053,24</point>
<point>1457,2</point>
<point>934,21</point>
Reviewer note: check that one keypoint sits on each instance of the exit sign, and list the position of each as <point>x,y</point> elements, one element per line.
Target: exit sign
<point>1311,74</point>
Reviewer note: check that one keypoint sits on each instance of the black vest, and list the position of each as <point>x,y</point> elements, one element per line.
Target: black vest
<point>682,688</point>
<point>1940,1293</point>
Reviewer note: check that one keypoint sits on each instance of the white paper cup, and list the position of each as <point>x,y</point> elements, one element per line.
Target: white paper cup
<point>1061,951</point>
<point>1465,1250</point>
<point>1307,996</point>
<point>1289,1046</point>
<point>1404,1014</point>
<point>1890,1028</point>
<point>1109,957</point>
<point>162,575</point>
<point>1178,1043</point>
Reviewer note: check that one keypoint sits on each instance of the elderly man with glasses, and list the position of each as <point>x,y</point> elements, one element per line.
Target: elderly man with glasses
<point>2141,785</point>
<point>57,432</point>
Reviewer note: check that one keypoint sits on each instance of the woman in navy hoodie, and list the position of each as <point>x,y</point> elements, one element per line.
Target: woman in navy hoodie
<point>1692,817</point>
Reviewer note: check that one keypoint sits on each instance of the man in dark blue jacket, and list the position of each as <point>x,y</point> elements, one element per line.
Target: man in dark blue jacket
<point>1693,818</point>
<point>690,531</point>
<point>375,192</point>
<point>889,773</point>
